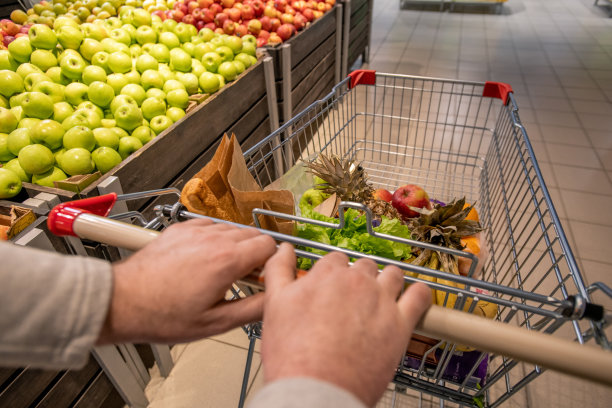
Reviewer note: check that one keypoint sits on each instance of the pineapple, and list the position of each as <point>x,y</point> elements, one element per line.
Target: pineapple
<point>349,181</point>
<point>443,226</point>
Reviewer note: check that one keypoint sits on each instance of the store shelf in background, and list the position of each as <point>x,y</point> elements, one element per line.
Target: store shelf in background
<point>359,29</point>
<point>240,105</point>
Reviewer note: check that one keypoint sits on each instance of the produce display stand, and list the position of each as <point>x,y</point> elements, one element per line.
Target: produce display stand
<point>497,4</point>
<point>357,31</point>
<point>455,139</point>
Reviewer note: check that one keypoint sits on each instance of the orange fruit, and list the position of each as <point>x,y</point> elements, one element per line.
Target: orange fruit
<point>473,214</point>
<point>471,244</point>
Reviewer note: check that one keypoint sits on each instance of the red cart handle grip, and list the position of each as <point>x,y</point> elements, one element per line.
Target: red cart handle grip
<point>497,90</point>
<point>362,76</point>
<point>62,216</point>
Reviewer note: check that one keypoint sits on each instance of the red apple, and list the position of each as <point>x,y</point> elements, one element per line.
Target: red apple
<point>286,18</point>
<point>274,24</point>
<point>270,11</point>
<point>382,194</point>
<point>216,8</point>
<point>258,8</point>
<point>192,5</point>
<point>177,15</point>
<point>285,31</point>
<point>212,26</point>
<point>200,24</point>
<point>254,27</point>
<point>261,41</point>
<point>207,15</point>
<point>321,6</point>
<point>247,12</point>
<point>189,19</point>
<point>8,27</point>
<point>229,27</point>
<point>227,3</point>
<point>280,5</point>
<point>309,14</point>
<point>266,23</point>
<point>274,39</point>
<point>220,19</point>
<point>205,3</point>
<point>299,21</point>
<point>410,196</point>
<point>241,30</point>
<point>233,13</point>
<point>219,30</point>
<point>159,13</point>
<point>290,10</point>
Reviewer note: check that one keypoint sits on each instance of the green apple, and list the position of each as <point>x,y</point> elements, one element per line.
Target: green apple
<point>75,93</point>
<point>42,36</point>
<point>169,39</point>
<point>94,120</point>
<point>100,93</point>
<point>160,123</point>
<point>48,133</point>
<point>93,73</point>
<point>94,31</point>
<point>77,161</point>
<point>244,58</point>
<point>106,137</point>
<point>4,103</point>
<point>180,60</point>
<point>111,46</point>
<point>117,82</point>
<point>18,112</point>
<point>201,49</point>
<point>33,79</point>
<point>173,84</point>
<point>248,39</point>
<point>196,67</point>
<point>92,106</point>
<point>131,30</point>
<point>141,17</point>
<point>55,75</point>
<point>61,110</point>
<point>183,32</point>
<point>20,49</point>
<point>10,83</point>
<point>145,62</point>
<point>36,159</point>
<point>221,79</point>
<point>233,42</point>
<point>62,21</point>
<point>26,69</point>
<point>169,24</point>
<point>151,78</point>
<point>189,48</point>
<point>37,105</point>
<point>18,139</point>
<point>119,132</point>
<point>53,90</point>
<point>156,93</point>
<point>79,136</point>
<point>121,35</point>
<point>175,113</point>
<point>10,183</point>
<point>206,34</point>
<point>76,119</point>
<point>121,100</point>
<point>119,62</point>
<point>178,98</point>
<point>14,166</point>
<point>225,53</point>
<point>5,153</point>
<point>8,121</point>
<point>7,61</point>
<point>105,158</point>
<point>146,35</point>
<point>189,81</point>
<point>135,51</point>
<point>28,123</point>
<point>128,117</point>
<point>73,66</point>
<point>144,134</point>
<point>100,59</point>
<point>128,145</point>
<point>166,74</point>
<point>43,59</point>
<point>211,61</point>
<point>137,92</point>
<point>47,179</point>
<point>160,52</point>
<point>66,53</point>
<point>69,37</point>
<point>133,77</point>
<point>152,107</point>
<point>239,66</point>
<point>90,47</point>
<point>249,49</point>
<point>228,70</point>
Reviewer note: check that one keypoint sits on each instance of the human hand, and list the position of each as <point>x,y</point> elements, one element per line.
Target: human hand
<point>173,289</point>
<point>340,323</point>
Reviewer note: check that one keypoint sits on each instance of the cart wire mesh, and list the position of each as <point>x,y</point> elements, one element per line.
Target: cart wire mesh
<point>445,136</point>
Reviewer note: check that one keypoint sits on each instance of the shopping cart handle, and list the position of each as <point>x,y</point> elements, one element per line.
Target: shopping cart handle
<point>362,76</point>
<point>498,90</point>
<point>61,218</point>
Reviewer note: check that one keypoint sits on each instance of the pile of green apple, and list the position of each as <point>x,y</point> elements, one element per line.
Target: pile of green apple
<point>79,98</point>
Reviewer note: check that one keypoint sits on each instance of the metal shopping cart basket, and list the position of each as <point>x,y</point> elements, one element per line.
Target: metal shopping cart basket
<point>455,139</point>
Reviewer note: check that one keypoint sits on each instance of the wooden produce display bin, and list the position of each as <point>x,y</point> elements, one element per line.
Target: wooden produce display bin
<point>357,22</point>
<point>178,152</point>
<point>311,66</point>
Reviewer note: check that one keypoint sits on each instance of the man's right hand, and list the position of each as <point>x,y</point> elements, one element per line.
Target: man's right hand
<point>340,324</point>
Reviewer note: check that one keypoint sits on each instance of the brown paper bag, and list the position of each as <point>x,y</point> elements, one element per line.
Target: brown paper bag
<point>225,189</point>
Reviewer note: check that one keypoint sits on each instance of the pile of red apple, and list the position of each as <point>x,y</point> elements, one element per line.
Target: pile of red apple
<point>406,199</point>
<point>10,30</point>
<point>272,22</point>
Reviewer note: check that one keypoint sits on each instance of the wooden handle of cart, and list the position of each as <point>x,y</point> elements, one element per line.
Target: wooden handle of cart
<point>551,352</point>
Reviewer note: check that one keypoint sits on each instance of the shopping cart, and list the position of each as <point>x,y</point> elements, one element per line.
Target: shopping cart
<point>454,139</point>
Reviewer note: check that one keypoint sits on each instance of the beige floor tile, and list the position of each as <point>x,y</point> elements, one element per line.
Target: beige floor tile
<point>238,338</point>
<point>208,374</point>
<point>573,155</point>
<point>592,241</point>
<point>600,138</point>
<point>557,118</point>
<point>582,179</point>
<point>552,389</point>
<point>605,155</point>
<point>587,207</point>
<point>564,135</point>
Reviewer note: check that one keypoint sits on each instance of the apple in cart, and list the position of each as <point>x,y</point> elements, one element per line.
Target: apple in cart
<point>382,194</point>
<point>409,197</point>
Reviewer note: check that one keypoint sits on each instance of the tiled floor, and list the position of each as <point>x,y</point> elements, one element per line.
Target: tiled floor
<point>557,55</point>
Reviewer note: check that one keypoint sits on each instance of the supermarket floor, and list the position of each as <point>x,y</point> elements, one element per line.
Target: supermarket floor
<point>557,55</point>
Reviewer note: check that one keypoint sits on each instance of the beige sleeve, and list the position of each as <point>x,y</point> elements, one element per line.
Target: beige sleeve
<point>304,392</point>
<point>52,306</point>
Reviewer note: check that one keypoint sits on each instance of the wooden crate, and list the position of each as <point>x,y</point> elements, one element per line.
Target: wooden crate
<point>359,30</point>
<point>241,105</point>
